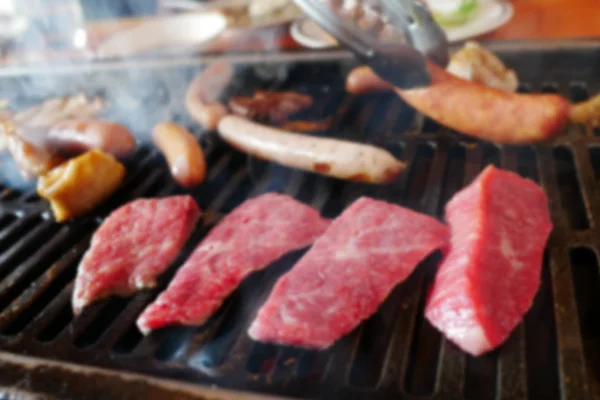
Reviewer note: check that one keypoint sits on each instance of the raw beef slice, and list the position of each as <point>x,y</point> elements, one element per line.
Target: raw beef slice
<point>499,227</point>
<point>134,245</point>
<point>347,274</point>
<point>255,234</point>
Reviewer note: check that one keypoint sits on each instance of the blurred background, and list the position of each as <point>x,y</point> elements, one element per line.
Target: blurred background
<point>34,31</point>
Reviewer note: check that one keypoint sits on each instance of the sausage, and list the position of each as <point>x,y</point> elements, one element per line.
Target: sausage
<point>77,136</point>
<point>202,96</point>
<point>183,153</point>
<point>333,157</point>
<point>476,110</point>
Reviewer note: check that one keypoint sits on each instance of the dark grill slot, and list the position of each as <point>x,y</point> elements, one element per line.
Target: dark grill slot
<point>595,160</point>
<point>578,91</point>
<point>527,163</point>
<point>549,87</point>
<point>60,320</point>
<point>570,192</point>
<point>262,359</point>
<point>540,342</point>
<point>43,290</point>
<point>109,312</point>
<point>586,279</point>
<point>21,277</point>
<point>480,377</point>
<point>5,220</point>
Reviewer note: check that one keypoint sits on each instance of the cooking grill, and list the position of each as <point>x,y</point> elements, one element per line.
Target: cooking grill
<point>553,354</point>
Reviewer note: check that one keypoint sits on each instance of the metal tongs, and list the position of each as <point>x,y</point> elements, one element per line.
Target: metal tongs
<point>393,37</point>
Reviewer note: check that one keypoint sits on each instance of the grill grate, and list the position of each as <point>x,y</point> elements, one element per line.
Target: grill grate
<point>396,353</point>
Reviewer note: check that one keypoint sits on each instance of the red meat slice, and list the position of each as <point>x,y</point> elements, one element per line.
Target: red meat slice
<point>350,270</point>
<point>255,234</point>
<point>499,226</point>
<point>134,245</point>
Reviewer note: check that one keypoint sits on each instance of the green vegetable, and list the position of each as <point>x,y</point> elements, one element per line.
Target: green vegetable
<point>463,14</point>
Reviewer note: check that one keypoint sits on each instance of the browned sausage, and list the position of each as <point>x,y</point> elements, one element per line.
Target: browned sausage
<point>183,153</point>
<point>476,110</point>
<point>202,97</point>
<point>76,136</point>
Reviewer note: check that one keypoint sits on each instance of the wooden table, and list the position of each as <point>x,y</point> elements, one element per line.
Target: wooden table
<point>533,19</point>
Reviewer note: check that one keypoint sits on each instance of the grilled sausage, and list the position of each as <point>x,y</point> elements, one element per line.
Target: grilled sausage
<point>202,97</point>
<point>77,136</point>
<point>183,153</point>
<point>476,110</point>
<point>333,157</point>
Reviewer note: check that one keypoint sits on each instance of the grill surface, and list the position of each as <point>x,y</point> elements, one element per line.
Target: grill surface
<point>553,354</point>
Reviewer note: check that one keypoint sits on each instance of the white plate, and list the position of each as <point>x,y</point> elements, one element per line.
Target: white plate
<point>491,15</point>
<point>171,32</point>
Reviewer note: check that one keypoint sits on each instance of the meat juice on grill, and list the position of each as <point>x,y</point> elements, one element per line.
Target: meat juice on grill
<point>499,227</point>
<point>134,245</point>
<point>252,236</point>
<point>350,270</point>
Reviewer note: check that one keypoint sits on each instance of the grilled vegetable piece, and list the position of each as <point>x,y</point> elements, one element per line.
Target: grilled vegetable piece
<point>77,186</point>
<point>475,63</point>
<point>274,107</point>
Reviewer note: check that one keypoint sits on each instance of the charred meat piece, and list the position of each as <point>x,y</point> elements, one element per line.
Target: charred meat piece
<point>255,234</point>
<point>32,160</point>
<point>273,107</point>
<point>499,227</point>
<point>57,109</point>
<point>134,245</point>
<point>350,270</point>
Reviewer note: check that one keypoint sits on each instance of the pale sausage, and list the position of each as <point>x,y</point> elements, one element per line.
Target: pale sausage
<point>333,157</point>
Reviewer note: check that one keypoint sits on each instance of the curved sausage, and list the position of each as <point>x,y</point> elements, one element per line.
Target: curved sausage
<point>333,157</point>
<point>476,110</point>
<point>202,96</point>
<point>183,153</point>
<point>80,135</point>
